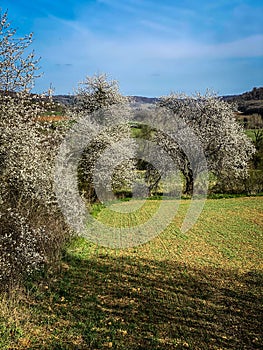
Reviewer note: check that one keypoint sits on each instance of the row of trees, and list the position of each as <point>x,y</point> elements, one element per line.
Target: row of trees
<point>28,150</point>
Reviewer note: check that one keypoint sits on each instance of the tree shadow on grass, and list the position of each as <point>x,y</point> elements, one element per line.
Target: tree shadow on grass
<point>128,303</point>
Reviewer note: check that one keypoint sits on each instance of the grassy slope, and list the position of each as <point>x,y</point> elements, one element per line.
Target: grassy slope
<point>199,290</point>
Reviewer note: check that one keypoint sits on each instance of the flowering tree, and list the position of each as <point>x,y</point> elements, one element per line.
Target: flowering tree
<point>97,99</point>
<point>17,67</point>
<point>226,147</point>
<point>97,92</point>
<point>30,224</point>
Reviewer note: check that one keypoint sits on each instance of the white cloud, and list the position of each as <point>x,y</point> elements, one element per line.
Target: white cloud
<point>153,47</point>
<point>247,47</point>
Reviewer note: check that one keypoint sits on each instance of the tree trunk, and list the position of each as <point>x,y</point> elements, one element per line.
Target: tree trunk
<point>189,181</point>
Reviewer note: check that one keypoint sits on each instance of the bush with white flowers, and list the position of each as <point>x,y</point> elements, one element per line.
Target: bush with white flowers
<point>30,221</point>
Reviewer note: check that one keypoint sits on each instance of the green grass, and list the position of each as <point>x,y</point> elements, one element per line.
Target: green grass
<point>251,133</point>
<point>197,290</point>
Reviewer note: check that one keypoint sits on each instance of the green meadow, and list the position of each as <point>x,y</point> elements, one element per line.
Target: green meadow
<point>196,290</point>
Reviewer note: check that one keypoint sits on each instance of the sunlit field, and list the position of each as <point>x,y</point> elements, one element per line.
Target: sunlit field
<point>196,290</point>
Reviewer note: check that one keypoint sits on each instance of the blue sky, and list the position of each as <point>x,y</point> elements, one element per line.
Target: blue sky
<point>150,47</point>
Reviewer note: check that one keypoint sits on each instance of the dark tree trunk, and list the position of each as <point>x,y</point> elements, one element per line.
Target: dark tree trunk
<point>189,181</point>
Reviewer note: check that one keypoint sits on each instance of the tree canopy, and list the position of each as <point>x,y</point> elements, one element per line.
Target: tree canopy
<point>18,65</point>
<point>98,102</point>
<point>226,147</point>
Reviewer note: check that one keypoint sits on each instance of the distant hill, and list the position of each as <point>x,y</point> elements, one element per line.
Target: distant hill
<point>65,100</point>
<point>254,94</point>
<point>248,103</point>
<point>69,99</point>
<point>141,99</point>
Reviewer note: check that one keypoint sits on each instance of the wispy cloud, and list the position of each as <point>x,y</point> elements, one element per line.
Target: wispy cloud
<point>83,41</point>
<point>247,47</point>
<point>147,45</point>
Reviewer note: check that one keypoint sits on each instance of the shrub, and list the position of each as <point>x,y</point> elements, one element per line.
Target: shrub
<point>30,221</point>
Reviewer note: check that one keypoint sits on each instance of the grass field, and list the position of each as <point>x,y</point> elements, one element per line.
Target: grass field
<point>198,290</point>
<point>251,133</point>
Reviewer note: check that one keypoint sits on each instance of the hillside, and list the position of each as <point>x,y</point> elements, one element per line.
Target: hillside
<point>248,103</point>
